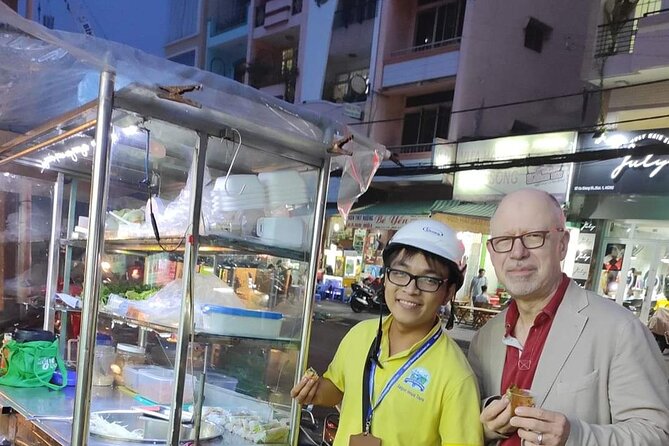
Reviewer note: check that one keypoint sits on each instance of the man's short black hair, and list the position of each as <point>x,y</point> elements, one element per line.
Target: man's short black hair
<point>481,270</point>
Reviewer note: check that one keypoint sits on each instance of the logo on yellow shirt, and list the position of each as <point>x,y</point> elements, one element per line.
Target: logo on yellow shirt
<point>418,379</point>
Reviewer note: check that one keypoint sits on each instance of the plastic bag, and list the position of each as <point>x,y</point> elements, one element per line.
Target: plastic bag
<point>31,364</point>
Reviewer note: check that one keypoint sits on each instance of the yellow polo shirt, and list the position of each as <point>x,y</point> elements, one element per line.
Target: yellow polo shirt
<point>435,403</point>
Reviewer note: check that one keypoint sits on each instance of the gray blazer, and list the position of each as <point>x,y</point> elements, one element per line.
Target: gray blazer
<point>600,367</point>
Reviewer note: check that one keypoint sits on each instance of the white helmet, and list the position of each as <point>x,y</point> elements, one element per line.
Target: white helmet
<point>433,237</point>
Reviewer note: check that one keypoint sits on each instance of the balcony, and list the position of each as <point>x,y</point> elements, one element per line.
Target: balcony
<point>630,47</point>
<point>431,61</point>
<point>274,12</point>
<point>343,92</point>
<point>225,19</point>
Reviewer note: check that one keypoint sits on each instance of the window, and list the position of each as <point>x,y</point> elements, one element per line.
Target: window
<point>353,11</point>
<point>183,19</point>
<point>536,33</point>
<point>289,72</point>
<point>48,21</point>
<point>439,23</point>
<point>426,117</point>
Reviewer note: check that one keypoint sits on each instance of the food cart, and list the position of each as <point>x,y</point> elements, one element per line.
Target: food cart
<point>180,250</point>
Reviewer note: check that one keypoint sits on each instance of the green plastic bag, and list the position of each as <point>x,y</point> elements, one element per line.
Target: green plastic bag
<point>32,363</point>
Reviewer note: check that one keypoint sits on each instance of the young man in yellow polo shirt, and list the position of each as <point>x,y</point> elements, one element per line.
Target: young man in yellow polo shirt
<point>405,382</point>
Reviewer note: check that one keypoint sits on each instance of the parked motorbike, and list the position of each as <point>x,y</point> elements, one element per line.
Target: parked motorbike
<point>364,297</point>
<point>659,326</point>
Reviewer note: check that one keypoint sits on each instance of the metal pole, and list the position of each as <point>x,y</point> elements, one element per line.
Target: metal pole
<point>94,251</point>
<point>67,265</point>
<point>319,221</point>
<point>199,398</point>
<point>54,252</point>
<point>186,317</point>
<point>71,214</point>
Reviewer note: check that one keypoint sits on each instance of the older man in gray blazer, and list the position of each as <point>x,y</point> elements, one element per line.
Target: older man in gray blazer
<point>595,372</point>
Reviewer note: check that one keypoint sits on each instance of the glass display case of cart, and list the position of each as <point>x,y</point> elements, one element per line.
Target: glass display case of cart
<point>251,270</point>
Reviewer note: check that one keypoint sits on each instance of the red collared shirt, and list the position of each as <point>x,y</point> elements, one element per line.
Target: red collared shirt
<point>521,364</point>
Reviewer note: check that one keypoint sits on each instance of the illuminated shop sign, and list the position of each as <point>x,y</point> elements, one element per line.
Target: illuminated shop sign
<point>628,175</point>
<point>73,154</point>
<point>492,185</point>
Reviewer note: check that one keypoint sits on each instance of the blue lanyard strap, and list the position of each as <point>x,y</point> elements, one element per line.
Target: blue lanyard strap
<point>393,380</point>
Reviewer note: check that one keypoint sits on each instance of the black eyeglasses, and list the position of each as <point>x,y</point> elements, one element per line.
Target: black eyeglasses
<point>530,240</point>
<point>423,283</point>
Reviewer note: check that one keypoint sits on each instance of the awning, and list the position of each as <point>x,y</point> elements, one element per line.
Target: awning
<point>460,215</point>
<point>388,215</point>
<point>464,216</point>
<point>455,207</point>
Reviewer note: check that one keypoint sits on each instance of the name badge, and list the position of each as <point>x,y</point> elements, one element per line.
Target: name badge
<point>364,440</point>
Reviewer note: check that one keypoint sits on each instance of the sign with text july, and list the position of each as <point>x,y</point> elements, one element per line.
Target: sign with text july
<point>646,174</point>
<point>492,185</point>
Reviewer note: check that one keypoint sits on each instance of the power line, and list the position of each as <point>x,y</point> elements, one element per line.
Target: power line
<point>527,101</point>
<point>541,160</point>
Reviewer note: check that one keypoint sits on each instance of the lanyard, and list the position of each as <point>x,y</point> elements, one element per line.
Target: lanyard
<point>398,374</point>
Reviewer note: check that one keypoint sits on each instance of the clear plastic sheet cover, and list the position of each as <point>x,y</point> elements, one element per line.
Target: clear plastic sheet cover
<point>45,74</point>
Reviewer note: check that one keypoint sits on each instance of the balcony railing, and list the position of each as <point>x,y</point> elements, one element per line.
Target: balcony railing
<point>260,12</point>
<point>618,37</point>
<point>354,12</point>
<point>412,148</point>
<point>426,47</point>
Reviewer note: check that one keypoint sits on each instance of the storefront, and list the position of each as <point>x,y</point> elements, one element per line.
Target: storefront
<point>354,248</point>
<point>625,199</point>
<point>472,221</point>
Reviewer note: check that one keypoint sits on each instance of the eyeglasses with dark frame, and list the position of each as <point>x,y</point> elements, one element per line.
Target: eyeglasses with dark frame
<point>530,240</point>
<point>424,283</point>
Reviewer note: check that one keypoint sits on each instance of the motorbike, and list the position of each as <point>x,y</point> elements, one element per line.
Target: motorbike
<point>659,326</point>
<point>364,297</point>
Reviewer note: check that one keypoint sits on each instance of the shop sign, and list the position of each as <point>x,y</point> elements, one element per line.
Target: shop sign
<point>628,175</point>
<point>584,250</point>
<point>367,221</point>
<point>492,185</point>
<point>73,154</point>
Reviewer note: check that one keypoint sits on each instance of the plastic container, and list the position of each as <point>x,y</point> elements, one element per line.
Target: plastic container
<point>219,380</point>
<point>102,371</point>
<point>126,354</point>
<point>157,383</point>
<point>240,322</point>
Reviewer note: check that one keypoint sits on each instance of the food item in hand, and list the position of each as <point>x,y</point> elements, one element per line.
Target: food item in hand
<point>311,373</point>
<point>519,397</point>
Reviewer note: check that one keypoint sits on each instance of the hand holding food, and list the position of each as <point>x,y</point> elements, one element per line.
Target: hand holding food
<point>305,390</point>
<point>519,398</point>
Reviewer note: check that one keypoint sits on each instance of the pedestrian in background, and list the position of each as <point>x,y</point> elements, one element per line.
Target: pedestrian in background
<point>594,369</point>
<point>482,298</point>
<point>477,283</point>
<point>404,381</point>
